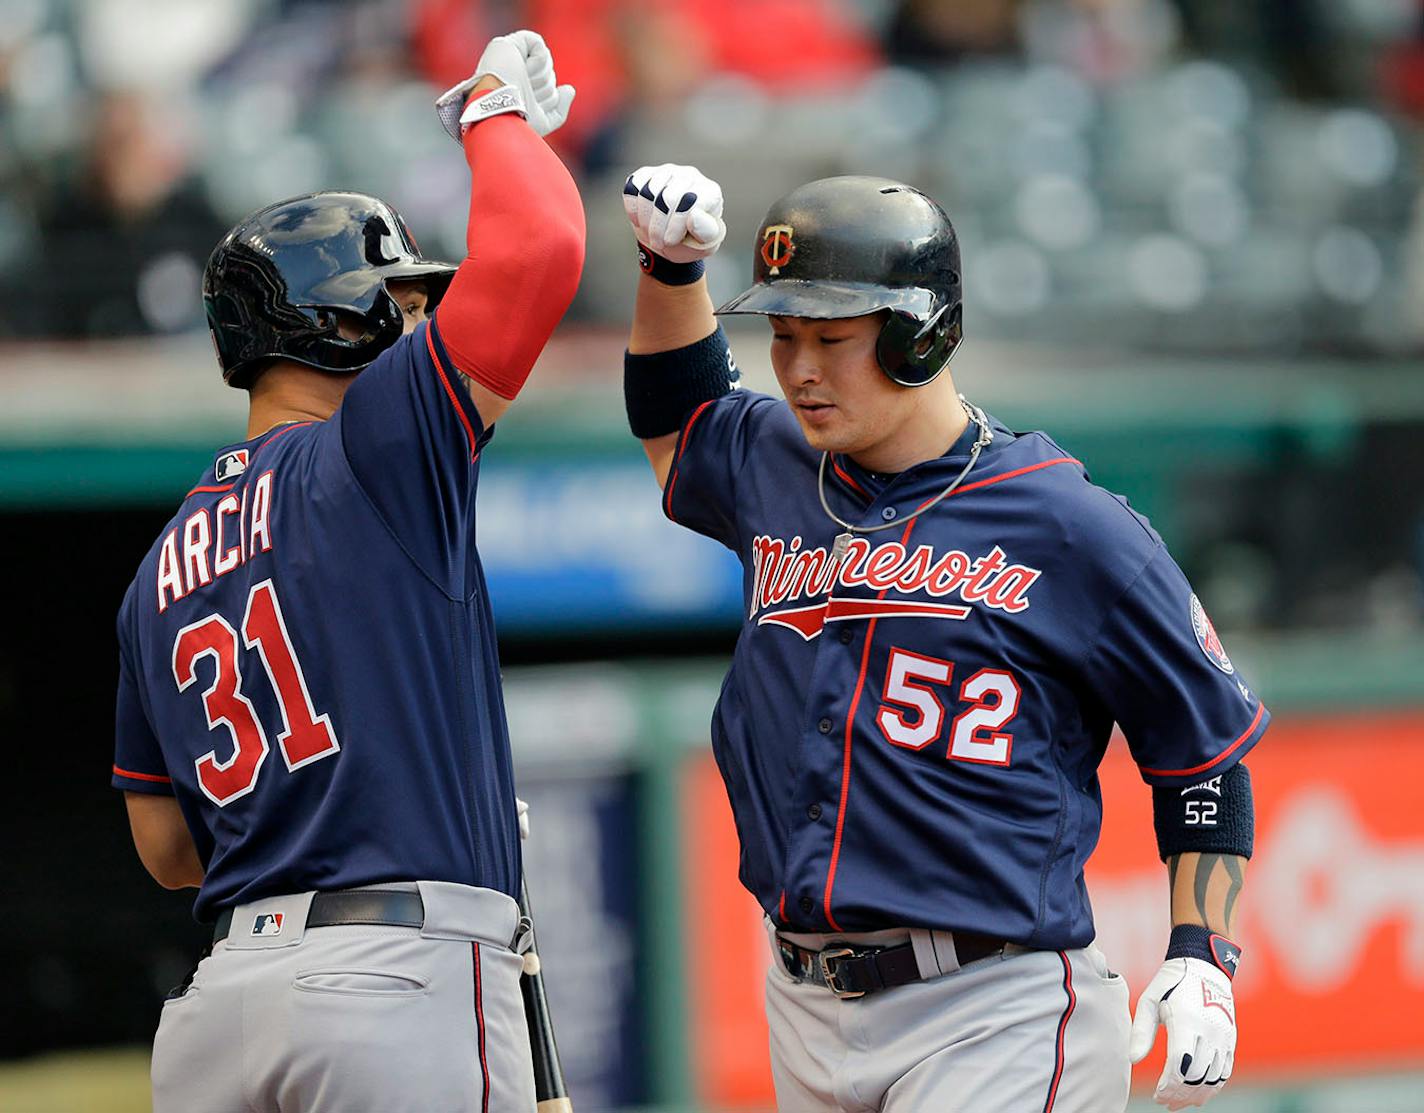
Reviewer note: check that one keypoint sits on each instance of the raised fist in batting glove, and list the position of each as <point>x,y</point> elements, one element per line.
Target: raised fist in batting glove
<point>522,62</point>
<point>676,211</point>
<point>1193,999</point>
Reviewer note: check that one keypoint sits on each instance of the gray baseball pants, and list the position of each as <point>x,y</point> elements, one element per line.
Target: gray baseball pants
<point>1022,1032</point>
<point>353,1018</point>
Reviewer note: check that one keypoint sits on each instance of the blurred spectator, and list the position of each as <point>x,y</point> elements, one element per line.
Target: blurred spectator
<point>122,250</point>
<point>1106,41</point>
<point>927,31</point>
<point>1404,67</point>
<point>1309,47</point>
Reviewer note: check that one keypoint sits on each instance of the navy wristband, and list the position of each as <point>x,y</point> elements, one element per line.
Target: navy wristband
<point>668,272</point>
<point>1194,941</point>
<point>1215,816</point>
<point>662,388</point>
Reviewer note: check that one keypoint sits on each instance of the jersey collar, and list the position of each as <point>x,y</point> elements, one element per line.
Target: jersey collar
<point>867,486</point>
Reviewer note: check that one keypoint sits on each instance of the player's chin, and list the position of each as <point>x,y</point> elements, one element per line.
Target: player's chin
<point>823,428</point>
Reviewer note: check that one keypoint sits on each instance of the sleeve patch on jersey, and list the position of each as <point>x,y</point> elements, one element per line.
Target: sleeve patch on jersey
<point>1208,640</point>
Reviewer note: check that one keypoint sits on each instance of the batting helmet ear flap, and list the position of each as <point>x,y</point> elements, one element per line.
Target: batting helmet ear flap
<point>913,352</point>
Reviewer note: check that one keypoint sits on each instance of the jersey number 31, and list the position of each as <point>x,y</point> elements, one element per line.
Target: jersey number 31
<point>977,732</point>
<point>306,736</point>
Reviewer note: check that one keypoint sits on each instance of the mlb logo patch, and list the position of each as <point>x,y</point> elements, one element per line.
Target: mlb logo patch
<point>231,465</point>
<point>267,923</point>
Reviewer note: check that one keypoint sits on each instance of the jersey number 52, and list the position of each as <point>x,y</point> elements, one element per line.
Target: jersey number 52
<point>306,736</point>
<point>976,734</point>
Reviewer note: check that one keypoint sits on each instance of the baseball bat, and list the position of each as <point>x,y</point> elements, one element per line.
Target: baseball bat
<point>550,1091</point>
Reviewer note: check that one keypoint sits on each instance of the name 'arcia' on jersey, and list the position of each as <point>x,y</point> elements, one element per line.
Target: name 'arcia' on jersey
<point>209,545</point>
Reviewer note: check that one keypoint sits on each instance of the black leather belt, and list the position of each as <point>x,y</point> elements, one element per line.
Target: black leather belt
<point>348,906</point>
<point>855,971</point>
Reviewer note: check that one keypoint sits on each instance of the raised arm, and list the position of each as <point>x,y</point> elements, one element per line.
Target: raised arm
<point>676,213</point>
<point>525,234</point>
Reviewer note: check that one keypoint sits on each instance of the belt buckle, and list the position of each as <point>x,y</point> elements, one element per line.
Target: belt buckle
<point>828,972</point>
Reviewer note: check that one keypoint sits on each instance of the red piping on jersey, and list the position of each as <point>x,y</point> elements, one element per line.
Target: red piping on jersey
<point>1202,768</point>
<point>450,391</point>
<point>213,490</point>
<point>1058,1056</point>
<point>154,777</point>
<point>865,662</point>
<point>1007,475</point>
<point>845,771</point>
<point>845,764</point>
<point>480,1029</point>
<point>681,448</point>
<point>835,467</point>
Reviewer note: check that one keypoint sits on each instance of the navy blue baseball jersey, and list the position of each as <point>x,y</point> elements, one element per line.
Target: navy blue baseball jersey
<point>910,736</point>
<point>307,656</point>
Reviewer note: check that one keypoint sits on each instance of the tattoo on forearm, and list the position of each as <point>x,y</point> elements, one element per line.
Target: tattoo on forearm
<point>1205,865</point>
<point>1238,881</point>
<point>1207,895</point>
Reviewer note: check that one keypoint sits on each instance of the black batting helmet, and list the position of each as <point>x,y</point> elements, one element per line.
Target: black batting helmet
<point>849,246</point>
<point>273,286</point>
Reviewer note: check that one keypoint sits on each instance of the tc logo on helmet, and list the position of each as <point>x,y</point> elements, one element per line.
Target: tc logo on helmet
<point>777,246</point>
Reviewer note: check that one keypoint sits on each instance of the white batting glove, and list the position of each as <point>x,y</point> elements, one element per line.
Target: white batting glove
<point>523,63</point>
<point>676,211</point>
<point>522,806</point>
<point>1193,999</point>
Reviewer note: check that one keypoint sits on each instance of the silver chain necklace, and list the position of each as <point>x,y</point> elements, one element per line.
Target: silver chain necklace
<point>848,531</point>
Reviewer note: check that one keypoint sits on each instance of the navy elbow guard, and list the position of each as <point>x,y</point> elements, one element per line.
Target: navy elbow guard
<point>1215,816</point>
<point>662,388</point>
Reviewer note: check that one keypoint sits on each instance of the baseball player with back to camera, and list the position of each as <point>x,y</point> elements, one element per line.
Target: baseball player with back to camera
<point>309,724</point>
<point>944,619</point>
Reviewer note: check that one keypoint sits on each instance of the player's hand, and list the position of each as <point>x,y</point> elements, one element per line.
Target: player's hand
<point>522,806</point>
<point>676,211</point>
<point>520,59</point>
<point>1193,999</point>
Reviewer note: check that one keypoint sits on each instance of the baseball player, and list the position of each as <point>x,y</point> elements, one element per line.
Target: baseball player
<point>944,619</point>
<point>310,728</point>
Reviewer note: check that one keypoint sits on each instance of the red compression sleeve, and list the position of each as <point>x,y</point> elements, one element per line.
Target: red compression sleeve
<point>526,241</point>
